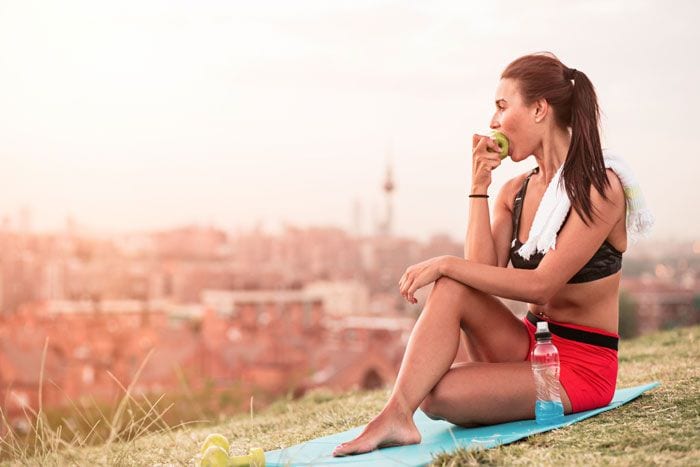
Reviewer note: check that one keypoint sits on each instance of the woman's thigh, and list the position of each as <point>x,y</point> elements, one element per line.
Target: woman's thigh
<point>493,333</point>
<point>485,393</point>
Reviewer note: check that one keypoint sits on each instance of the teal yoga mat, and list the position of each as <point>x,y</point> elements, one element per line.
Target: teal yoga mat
<point>437,437</point>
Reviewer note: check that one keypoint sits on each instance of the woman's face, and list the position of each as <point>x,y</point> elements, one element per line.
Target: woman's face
<point>515,120</point>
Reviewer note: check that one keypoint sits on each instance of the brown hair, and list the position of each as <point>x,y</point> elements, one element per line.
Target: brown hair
<point>575,105</point>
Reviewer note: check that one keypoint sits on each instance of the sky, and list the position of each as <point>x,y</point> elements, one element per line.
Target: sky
<point>137,115</point>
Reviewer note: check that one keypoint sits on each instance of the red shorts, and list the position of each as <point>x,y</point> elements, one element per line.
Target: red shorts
<point>588,361</point>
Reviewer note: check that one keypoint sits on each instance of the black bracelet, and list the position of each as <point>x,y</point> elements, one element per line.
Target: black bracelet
<point>478,196</point>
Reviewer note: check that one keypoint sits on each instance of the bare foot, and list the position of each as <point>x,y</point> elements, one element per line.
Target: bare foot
<point>386,429</point>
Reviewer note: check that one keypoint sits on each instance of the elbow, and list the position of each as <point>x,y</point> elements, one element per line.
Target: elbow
<point>539,299</point>
<point>543,290</point>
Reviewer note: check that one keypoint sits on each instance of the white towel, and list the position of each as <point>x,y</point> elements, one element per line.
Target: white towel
<point>555,205</point>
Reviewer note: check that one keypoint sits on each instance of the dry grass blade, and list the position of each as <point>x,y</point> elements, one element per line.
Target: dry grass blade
<point>159,417</point>
<point>76,410</point>
<point>123,403</point>
<point>128,397</point>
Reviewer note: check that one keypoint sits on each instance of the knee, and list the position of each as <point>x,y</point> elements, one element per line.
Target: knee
<point>434,404</point>
<point>454,292</point>
<point>437,406</point>
<point>428,407</point>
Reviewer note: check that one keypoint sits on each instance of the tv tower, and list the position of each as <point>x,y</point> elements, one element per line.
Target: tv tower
<point>388,187</point>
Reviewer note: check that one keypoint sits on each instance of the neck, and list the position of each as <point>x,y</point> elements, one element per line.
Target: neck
<point>552,153</point>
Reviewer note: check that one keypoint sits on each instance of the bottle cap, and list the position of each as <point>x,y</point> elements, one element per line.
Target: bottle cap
<point>542,330</point>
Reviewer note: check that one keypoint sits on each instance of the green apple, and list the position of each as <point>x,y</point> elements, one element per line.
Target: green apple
<point>215,456</point>
<point>215,439</point>
<point>503,143</point>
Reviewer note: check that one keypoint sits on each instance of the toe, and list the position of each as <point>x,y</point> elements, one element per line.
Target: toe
<point>341,450</point>
<point>347,449</point>
<point>339,453</point>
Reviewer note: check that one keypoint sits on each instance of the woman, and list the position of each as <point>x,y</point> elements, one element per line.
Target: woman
<point>550,111</point>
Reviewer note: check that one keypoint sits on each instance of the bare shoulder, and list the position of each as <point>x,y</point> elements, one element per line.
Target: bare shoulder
<point>611,206</point>
<point>510,189</point>
<point>614,198</point>
<point>616,189</point>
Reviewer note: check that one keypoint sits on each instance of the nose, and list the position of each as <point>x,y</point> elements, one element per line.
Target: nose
<point>494,123</point>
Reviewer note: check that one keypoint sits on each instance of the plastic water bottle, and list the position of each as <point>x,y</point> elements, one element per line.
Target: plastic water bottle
<point>545,369</point>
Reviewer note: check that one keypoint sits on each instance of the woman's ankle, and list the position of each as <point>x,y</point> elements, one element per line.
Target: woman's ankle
<point>397,407</point>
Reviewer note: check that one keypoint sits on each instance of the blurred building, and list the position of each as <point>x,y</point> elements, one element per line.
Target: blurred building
<point>270,340</point>
<point>661,304</point>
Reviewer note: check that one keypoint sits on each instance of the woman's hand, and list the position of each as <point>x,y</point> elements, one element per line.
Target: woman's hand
<point>419,275</point>
<point>485,158</point>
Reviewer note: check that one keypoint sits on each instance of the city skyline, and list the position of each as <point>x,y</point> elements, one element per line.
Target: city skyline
<point>150,115</point>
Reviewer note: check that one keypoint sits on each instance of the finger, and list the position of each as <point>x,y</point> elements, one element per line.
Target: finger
<point>493,147</point>
<point>475,139</point>
<point>407,286</point>
<point>488,166</point>
<point>479,149</point>
<point>402,287</point>
<point>404,278</point>
<point>479,143</point>
<point>490,145</point>
<point>411,291</point>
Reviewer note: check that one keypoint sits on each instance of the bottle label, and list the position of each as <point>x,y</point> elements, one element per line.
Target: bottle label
<point>546,382</point>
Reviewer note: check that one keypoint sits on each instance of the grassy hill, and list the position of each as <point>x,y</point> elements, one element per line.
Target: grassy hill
<point>660,427</point>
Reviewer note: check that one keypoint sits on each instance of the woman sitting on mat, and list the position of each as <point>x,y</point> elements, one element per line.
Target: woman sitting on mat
<point>568,269</point>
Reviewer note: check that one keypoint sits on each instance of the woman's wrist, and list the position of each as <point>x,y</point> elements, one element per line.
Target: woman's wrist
<point>479,190</point>
<point>445,264</point>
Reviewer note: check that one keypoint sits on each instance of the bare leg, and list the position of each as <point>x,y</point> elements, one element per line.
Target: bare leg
<point>431,349</point>
<point>485,393</point>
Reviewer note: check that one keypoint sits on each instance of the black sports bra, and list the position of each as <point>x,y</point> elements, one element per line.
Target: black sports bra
<point>605,262</point>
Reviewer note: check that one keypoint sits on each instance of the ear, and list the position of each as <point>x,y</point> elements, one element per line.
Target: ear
<point>540,110</point>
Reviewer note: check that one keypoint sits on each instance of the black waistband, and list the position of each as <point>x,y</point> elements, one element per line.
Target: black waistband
<point>587,337</point>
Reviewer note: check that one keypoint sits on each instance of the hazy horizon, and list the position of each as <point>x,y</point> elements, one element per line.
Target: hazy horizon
<point>154,114</point>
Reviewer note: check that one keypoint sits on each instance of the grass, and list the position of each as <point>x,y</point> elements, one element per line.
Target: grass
<point>660,427</point>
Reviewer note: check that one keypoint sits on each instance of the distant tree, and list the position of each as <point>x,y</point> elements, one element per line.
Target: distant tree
<point>629,326</point>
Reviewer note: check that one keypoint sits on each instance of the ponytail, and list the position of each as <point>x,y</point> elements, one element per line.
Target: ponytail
<point>584,162</point>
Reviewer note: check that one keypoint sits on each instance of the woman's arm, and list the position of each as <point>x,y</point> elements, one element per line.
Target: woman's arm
<point>516,284</point>
<point>479,242</point>
<point>576,245</point>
